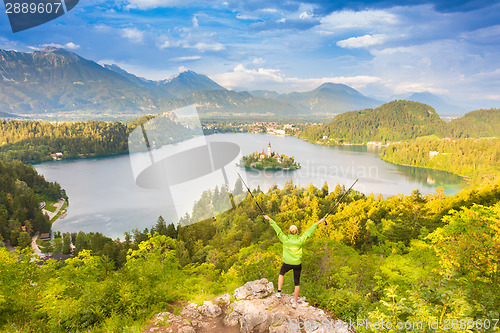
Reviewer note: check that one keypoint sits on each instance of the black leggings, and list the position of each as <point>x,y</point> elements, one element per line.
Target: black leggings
<point>296,272</point>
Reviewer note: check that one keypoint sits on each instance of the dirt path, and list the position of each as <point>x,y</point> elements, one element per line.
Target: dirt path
<point>34,245</point>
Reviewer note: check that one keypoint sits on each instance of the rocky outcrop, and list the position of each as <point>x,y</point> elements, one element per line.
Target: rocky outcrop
<point>255,309</point>
<point>255,289</point>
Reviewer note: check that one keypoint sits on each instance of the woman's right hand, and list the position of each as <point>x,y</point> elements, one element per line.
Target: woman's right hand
<point>267,218</point>
<point>321,221</point>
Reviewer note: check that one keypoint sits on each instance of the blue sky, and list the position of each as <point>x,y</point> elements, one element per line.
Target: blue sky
<point>381,48</point>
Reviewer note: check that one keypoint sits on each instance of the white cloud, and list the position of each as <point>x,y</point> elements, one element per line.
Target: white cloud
<point>186,58</point>
<point>196,24</point>
<point>306,16</point>
<point>150,4</point>
<point>102,27</point>
<point>202,46</point>
<point>169,43</point>
<point>150,73</point>
<point>7,44</point>
<point>488,34</point>
<point>362,19</point>
<point>242,77</point>
<point>362,41</point>
<point>133,34</point>
<point>268,10</point>
<point>165,44</point>
<point>258,61</point>
<point>69,46</point>
<point>406,87</point>
<point>246,17</point>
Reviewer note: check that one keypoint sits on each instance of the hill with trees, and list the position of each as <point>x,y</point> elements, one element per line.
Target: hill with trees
<point>394,121</point>
<point>35,141</point>
<point>21,191</point>
<point>400,121</point>
<point>475,124</point>
<point>475,159</point>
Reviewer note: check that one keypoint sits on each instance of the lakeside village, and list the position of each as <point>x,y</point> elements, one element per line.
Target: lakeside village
<point>269,161</point>
<point>275,128</point>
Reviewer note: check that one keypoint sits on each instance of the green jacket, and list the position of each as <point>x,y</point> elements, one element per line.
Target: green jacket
<point>292,244</point>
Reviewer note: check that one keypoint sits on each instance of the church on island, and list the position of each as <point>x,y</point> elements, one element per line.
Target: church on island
<point>269,160</point>
<point>270,154</point>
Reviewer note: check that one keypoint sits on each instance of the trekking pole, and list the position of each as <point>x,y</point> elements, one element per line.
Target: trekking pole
<point>248,189</point>
<point>339,200</point>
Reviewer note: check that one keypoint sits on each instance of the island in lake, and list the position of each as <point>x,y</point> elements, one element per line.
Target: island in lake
<point>269,161</point>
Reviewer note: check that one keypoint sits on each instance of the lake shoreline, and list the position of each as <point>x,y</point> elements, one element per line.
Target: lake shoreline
<point>121,205</point>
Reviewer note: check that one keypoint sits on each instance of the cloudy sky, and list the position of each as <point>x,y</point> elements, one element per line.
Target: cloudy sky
<point>380,47</point>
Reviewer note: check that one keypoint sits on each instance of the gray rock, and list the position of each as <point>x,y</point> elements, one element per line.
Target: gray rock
<point>232,319</point>
<point>254,289</point>
<point>186,329</point>
<point>222,299</point>
<point>209,309</point>
<point>254,311</point>
<point>191,311</point>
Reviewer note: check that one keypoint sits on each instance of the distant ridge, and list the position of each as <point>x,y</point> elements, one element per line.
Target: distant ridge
<point>439,103</point>
<point>188,82</point>
<point>331,98</point>
<point>58,81</point>
<point>7,115</point>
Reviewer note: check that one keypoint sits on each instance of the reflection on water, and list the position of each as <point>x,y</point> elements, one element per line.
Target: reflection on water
<point>105,198</point>
<point>421,176</point>
<point>433,177</point>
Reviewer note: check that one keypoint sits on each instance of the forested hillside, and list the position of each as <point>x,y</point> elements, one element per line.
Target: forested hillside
<point>35,141</point>
<point>21,191</point>
<point>476,159</point>
<point>394,121</point>
<point>475,124</point>
<point>400,259</point>
<point>401,121</point>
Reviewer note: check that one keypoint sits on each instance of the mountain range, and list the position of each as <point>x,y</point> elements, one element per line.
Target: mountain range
<point>56,80</point>
<point>440,104</point>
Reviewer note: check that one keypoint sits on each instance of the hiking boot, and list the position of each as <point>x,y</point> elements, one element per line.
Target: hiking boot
<point>294,304</point>
<point>278,294</point>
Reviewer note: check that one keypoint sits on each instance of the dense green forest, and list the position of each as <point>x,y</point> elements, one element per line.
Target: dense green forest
<point>404,258</point>
<point>21,191</point>
<point>476,159</point>
<point>35,141</point>
<point>401,121</point>
<point>476,124</point>
<point>394,121</point>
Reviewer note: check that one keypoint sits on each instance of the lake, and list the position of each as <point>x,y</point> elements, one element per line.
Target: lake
<point>104,197</point>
